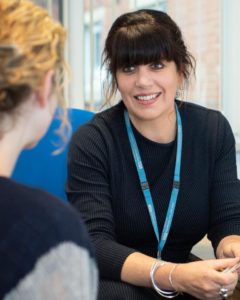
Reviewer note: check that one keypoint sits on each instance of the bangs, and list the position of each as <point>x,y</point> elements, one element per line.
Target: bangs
<point>133,48</point>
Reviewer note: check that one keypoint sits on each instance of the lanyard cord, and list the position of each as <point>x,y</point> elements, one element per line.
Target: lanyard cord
<point>145,185</point>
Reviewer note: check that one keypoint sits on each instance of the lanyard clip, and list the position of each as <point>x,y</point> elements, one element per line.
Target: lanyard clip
<point>144,185</point>
<point>176,184</point>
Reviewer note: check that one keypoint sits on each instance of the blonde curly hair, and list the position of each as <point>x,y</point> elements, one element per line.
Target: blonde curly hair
<point>31,43</point>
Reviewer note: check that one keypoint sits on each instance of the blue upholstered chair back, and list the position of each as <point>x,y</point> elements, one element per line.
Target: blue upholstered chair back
<point>38,167</point>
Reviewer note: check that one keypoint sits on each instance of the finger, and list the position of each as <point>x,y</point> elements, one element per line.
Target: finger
<point>236,252</point>
<point>232,269</point>
<point>225,279</point>
<point>230,287</point>
<point>219,264</point>
<point>229,291</point>
<point>231,253</point>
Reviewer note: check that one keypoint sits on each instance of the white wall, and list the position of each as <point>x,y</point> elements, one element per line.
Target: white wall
<point>230,64</point>
<point>238,164</point>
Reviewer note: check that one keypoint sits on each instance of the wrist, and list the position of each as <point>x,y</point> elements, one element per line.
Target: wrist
<point>164,292</point>
<point>170,277</point>
<point>162,276</point>
<point>175,276</point>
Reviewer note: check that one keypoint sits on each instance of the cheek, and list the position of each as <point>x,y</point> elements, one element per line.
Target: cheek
<point>125,88</point>
<point>124,84</point>
<point>121,88</point>
<point>171,79</point>
<point>172,84</point>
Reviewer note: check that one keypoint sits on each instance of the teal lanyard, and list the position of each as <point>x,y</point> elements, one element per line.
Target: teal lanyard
<point>145,185</point>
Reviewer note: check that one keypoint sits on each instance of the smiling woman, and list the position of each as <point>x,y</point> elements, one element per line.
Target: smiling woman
<point>149,174</point>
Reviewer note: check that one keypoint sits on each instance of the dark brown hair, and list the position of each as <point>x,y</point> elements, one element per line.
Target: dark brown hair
<point>142,37</point>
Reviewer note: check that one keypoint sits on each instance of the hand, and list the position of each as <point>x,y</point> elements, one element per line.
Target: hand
<point>229,247</point>
<point>203,279</point>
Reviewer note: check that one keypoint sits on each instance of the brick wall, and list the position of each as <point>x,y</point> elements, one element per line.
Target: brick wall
<point>200,24</point>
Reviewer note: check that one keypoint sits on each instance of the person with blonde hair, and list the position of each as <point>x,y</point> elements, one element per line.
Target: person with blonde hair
<point>45,251</point>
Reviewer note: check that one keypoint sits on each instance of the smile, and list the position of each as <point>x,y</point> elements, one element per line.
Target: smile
<point>147,97</point>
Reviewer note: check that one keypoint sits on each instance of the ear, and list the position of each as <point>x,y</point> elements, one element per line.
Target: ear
<point>46,89</point>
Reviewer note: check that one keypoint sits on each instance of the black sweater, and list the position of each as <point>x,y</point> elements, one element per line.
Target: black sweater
<point>103,185</point>
<point>43,241</point>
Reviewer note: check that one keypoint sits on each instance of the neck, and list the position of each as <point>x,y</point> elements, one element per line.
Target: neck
<point>12,142</point>
<point>10,148</point>
<point>160,130</point>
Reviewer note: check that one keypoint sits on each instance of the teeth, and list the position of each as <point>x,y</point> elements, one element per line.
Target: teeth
<point>147,98</point>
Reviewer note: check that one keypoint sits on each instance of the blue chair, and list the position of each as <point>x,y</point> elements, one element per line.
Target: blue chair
<point>39,167</point>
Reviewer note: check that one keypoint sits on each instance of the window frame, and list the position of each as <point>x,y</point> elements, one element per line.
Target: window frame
<point>230,63</point>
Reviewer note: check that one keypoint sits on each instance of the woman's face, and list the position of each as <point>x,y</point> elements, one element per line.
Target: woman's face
<point>148,91</point>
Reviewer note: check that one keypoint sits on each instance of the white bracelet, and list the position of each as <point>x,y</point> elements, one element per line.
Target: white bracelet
<point>163,293</point>
<point>170,276</point>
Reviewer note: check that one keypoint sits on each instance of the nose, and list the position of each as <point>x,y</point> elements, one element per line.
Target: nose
<point>143,77</point>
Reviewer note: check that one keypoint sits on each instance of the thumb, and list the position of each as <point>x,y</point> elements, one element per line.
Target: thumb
<point>220,264</point>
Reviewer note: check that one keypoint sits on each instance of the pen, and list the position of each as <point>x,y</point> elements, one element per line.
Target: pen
<point>232,269</point>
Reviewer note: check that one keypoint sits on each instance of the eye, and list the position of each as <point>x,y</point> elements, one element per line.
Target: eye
<point>128,69</point>
<point>157,66</point>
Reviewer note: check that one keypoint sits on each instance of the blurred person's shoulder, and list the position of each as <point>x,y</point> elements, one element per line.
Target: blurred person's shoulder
<point>41,212</point>
<point>42,239</point>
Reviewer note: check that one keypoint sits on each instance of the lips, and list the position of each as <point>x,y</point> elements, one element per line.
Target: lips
<point>148,97</point>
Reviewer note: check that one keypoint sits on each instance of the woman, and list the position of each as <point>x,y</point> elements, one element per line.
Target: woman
<point>152,175</point>
<point>44,247</point>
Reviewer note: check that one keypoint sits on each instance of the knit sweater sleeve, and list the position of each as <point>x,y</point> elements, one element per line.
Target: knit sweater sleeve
<point>45,251</point>
<point>225,190</point>
<point>88,189</point>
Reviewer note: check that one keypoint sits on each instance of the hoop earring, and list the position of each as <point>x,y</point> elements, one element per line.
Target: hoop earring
<point>180,93</point>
